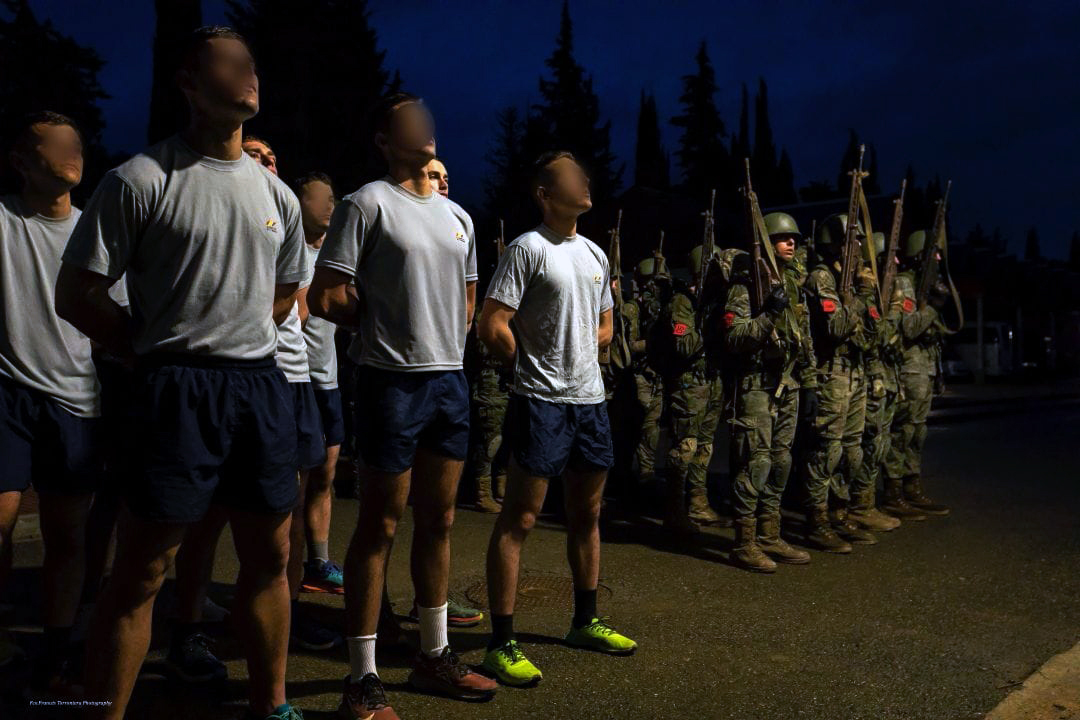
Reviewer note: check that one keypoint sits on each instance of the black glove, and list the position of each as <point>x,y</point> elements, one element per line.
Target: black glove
<point>939,295</point>
<point>776,301</point>
<point>809,402</point>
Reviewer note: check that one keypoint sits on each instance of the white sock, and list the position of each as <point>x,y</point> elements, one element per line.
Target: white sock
<point>362,656</point>
<point>433,630</point>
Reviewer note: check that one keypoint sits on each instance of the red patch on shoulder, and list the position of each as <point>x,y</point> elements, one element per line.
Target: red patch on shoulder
<point>909,305</point>
<point>729,319</point>
<point>874,313</point>
<point>680,329</point>
<point>828,305</point>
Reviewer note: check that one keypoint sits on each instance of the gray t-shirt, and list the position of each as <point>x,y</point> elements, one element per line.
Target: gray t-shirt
<point>559,286</point>
<point>411,257</point>
<point>203,242</point>
<point>292,355</point>
<point>321,351</point>
<point>37,348</point>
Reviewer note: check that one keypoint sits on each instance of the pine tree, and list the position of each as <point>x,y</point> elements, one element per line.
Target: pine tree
<point>785,181</point>
<point>650,159</point>
<point>740,141</point>
<point>568,118</point>
<point>505,186</point>
<point>168,108</point>
<point>702,154</point>
<point>849,162</point>
<point>763,161</point>
<point>316,97</point>
<point>54,73</point>
<point>1032,252</point>
<point>872,183</point>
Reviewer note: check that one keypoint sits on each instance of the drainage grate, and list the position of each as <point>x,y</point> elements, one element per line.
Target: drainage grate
<point>535,592</point>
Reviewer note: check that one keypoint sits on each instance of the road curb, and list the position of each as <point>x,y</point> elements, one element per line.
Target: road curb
<point>1052,692</point>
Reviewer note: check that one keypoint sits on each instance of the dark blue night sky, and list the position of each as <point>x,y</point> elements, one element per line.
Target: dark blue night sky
<point>985,93</point>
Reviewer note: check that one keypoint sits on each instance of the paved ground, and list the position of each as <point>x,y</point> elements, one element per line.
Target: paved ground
<point>940,621</point>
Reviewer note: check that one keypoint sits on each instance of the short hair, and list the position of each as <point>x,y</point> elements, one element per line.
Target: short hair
<point>385,107</point>
<point>189,55</point>
<point>256,138</point>
<point>541,174</point>
<point>315,176</point>
<point>24,130</point>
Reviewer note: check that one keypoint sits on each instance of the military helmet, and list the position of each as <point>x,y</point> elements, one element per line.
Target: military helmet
<point>916,243</point>
<point>779,223</point>
<point>652,267</point>
<point>879,243</point>
<point>693,260</point>
<point>831,233</point>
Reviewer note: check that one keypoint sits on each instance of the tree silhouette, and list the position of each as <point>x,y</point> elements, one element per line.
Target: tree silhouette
<point>1074,252</point>
<point>1032,252</point>
<point>168,108</point>
<point>650,159</point>
<point>568,118</point>
<point>702,154</point>
<point>320,72</point>
<point>54,73</point>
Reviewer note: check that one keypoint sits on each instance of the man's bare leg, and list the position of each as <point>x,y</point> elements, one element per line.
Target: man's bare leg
<point>320,491</point>
<point>195,564</point>
<point>523,502</point>
<point>9,513</point>
<point>436,481</point>
<point>583,494</point>
<point>120,629</point>
<point>382,501</point>
<point>262,603</point>
<point>296,538</point>
<point>63,532</point>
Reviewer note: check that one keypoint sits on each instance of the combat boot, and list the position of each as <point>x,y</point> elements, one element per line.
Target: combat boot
<point>821,536</point>
<point>485,501</point>
<point>914,495</point>
<point>846,528</point>
<point>774,546</point>
<point>865,515</point>
<point>746,553</point>
<point>676,519</point>
<point>700,510</point>
<point>896,505</point>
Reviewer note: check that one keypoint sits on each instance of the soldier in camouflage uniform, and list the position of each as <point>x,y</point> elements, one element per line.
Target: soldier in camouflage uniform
<point>921,331</point>
<point>769,357</point>
<point>880,362</point>
<point>835,445</point>
<point>693,394</point>
<point>641,313</point>
<point>489,398</point>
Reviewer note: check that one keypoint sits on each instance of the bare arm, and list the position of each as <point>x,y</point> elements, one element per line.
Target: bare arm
<point>284,299</point>
<point>494,330</point>
<point>82,298</point>
<point>330,298</point>
<point>470,304</point>
<point>301,303</point>
<point>604,333</point>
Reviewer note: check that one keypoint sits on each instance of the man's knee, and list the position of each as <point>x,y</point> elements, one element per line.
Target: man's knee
<point>437,523</point>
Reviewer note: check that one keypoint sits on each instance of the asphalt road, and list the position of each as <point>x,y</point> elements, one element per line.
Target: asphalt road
<point>938,621</point>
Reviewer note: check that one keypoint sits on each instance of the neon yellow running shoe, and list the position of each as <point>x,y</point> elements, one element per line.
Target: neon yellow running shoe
<point>510,666</point>
<point>599,635</point>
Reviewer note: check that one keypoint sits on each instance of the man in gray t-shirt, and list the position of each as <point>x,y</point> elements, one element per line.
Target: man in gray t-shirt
<point>548,312</point>
<point>411,255</point>
<point>49,397</point>
<point>213,249</point>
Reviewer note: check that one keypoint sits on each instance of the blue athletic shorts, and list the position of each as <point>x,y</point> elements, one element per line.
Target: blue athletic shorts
<point>310,448</point>
<point>397,412</point>
<point>546,437</point>
<point>43,445</point>
<point>330,415</point>
<point>211,429</point>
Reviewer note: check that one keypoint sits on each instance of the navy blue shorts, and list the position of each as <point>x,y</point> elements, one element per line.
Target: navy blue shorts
<point>119,423</point>
<point>310,448</point>
<point>546,437</point>
<point>212,430</point>
<point>331,416</point>
<point>397,412</point>
<point>43,445</point>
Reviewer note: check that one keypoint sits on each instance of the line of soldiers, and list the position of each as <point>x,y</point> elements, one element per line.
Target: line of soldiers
<point>851,380</point>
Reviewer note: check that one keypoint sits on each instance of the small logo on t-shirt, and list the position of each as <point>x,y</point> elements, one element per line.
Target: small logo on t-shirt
<point>459,236</point>
<point>271,225</point>
<point>597,279</point>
